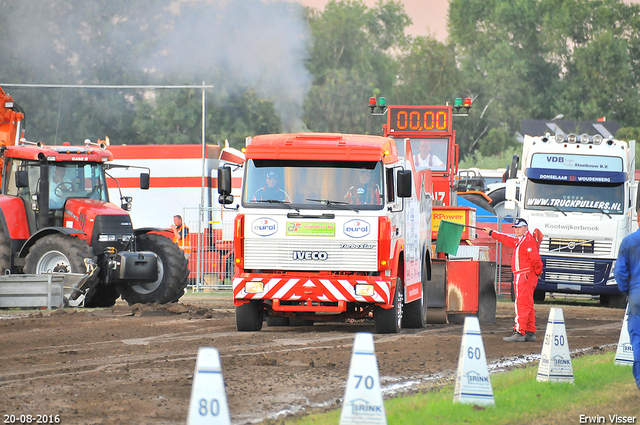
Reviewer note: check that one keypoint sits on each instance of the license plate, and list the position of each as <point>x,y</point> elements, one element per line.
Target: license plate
<point>569,287</point>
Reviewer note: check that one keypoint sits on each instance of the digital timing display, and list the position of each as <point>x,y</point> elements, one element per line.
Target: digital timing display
<point>419,119</point>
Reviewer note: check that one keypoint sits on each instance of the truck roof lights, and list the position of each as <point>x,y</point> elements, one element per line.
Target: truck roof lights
<point>458,104</point>
<point>380,104</point>
<point>372,103</point>
<point>583,139</point>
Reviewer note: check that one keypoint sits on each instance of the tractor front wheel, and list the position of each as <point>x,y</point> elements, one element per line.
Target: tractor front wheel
<point>58,253</point>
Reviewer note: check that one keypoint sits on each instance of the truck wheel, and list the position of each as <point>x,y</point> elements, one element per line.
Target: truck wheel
<point>513,293</point>
<point>389,321</point>
<point>538,296</point>
<point>300,322</point>
<point>249,316</point>
<point>415,313</point>
<point>487,305</point>
<point>172,273</point>
<point>277,321</point>
<point>614,301</point>
<point>59,253</point>
<point>5,251</point>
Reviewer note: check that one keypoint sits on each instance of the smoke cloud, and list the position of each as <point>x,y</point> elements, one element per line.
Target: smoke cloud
<point>231,44</point>
<point>260,45</point>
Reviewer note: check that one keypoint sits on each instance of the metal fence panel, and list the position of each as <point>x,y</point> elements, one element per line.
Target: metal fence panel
<point>209,248</point>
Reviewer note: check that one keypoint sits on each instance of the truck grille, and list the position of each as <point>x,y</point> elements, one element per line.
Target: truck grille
<point>287,254</point>
<point>575,246</point>
<point>586,278</point>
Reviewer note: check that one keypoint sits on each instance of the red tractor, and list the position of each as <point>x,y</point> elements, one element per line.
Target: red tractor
<point>55,217</point>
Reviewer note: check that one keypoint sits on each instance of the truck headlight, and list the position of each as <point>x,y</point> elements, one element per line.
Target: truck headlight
<point>107,238</point>
<point>254,287</point>
<point>364,289</point>
<point>611,280</point>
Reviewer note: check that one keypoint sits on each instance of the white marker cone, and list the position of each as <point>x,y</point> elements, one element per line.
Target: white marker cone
<point>363,403</point>
<point>555,360</point>
<point>624,353</point>
<point>208,403</point>
<point>473,383</point>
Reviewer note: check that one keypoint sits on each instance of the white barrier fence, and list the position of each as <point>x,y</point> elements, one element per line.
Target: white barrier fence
<point>209,247</point>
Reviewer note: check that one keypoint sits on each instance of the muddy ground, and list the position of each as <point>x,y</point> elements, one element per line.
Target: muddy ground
<point>135,364</point>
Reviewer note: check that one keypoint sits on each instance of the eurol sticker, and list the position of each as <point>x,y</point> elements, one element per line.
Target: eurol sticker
<point>356,228</point>
<point>264,226</point>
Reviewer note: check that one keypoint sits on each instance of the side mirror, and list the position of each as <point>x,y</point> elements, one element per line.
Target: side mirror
<point>510,190</point>
<point>225,199</point>
<point>22,178</point>
<point>125,202</point>
<point>224,182</point>
<point>144,181</point>
<point>404,183</point>
<point>513,173</point>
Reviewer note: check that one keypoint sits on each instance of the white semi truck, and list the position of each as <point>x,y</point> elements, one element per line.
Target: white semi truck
<point>580,192</point>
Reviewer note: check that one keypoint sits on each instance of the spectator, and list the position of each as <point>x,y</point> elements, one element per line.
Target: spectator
<point>180,231</point>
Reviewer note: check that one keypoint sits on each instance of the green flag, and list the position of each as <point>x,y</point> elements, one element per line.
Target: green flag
<point>449,236</point>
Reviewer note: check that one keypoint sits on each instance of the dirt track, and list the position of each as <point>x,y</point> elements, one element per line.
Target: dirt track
<point>135,364</point>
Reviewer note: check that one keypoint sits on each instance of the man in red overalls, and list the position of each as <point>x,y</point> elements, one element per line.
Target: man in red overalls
<point>527,266</point>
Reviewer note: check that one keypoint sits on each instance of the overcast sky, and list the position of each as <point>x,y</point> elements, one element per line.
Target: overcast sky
<point>429,16</point>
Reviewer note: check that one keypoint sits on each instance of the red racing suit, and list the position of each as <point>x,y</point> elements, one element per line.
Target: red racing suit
<point>526,266</point>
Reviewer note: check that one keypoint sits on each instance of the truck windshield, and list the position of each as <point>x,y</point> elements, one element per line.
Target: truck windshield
<point>543,195</point>
<point>313,184</point>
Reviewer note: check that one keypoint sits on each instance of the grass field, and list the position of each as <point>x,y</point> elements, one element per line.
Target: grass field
<point>601,391</point>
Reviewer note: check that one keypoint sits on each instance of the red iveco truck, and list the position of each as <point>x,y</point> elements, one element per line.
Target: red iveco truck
<point>330,227</point>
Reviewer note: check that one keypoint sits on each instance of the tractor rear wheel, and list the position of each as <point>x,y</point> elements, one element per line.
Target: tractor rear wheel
<point>172,273</point>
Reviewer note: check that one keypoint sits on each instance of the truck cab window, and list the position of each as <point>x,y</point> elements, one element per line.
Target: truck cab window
<point>313,184</point>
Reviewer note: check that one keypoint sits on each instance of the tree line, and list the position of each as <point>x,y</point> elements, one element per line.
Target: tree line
<point>279,67</point>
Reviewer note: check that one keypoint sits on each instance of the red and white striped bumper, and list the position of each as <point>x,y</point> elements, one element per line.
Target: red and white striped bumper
<point>319,289</point>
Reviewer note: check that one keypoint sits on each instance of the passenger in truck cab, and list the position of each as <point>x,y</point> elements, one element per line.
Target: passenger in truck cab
<point>270,191</point>
<point>365,192</point>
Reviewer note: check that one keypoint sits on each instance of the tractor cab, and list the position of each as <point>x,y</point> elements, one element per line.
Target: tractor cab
<point>46,186</point>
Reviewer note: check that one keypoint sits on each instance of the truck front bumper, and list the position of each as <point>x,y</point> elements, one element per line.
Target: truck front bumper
<point>313,293</point>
